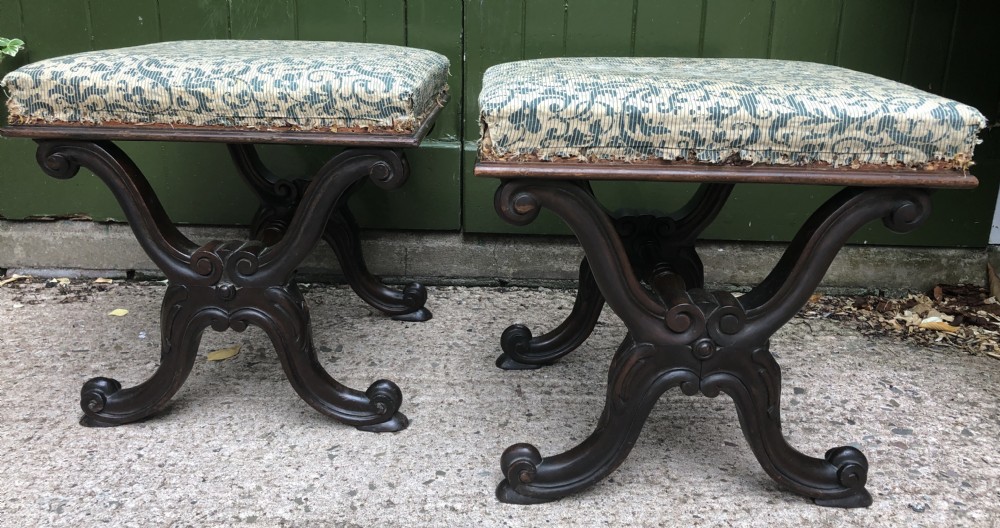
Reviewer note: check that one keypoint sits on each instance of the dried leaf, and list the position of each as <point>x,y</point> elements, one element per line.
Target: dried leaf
<point>938,293</point>
<point>102,280</point>
<point>943,317</point>
<point>224,353</point>
<point>940,326</point>
<point>815,297</point>
<point>12,278</point>
<point>120,312</point>
<point>994,281</point>
<point>63,280</point>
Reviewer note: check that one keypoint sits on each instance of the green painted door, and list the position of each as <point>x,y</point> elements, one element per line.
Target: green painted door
<point>944,46</point>
<point>57,27</point>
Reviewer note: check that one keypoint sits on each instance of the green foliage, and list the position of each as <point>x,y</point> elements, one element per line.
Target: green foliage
<point>10,46</point>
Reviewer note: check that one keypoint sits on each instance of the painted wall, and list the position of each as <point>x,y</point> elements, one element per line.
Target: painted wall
<point>943,46</point>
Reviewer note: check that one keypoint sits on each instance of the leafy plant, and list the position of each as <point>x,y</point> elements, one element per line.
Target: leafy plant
<point>10,46</point>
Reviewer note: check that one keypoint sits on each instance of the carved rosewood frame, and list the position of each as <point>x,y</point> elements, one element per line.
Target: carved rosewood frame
<point>236,283</point>
<point>680,335</point>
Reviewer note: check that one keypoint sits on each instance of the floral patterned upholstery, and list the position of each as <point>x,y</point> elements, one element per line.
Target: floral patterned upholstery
<point>717,111</point>
<point>230,83</point>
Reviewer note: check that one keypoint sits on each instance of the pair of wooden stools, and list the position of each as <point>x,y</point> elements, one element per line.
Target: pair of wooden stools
<point>549,127</point>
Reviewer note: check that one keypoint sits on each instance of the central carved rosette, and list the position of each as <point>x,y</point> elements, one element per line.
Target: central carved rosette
<point>227,264</point>
<point>707,320</point>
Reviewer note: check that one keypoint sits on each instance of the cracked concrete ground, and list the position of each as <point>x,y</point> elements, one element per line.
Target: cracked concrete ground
<point>238,448</point>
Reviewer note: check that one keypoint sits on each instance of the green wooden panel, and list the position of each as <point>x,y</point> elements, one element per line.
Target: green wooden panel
<point>28,192</point>
<point>431,198</point>
<point>50,28</point>
<point>737,28</point>
<point>668,29</point>
<point>437,26</point>
<point>927,50</point>
<point>194,19</point>
<point>878,40</point>
<point>806,30</point>
<point>120,23</point>
<point>873,36</point>
<point>908,39</point>
<point>479,214</point>
<point>385,22</point>
<point>973,74</point>
<point>262,19</point>
<point>195,182</point>
<point>973,77</point>
<point>493,34</point>
<point>545,24</point>
<point>55,27</point>
<point>10,27</point>
<point>174,170</point>
<point>597,28</point>
<point>340,20</point>
<point>10,21</point>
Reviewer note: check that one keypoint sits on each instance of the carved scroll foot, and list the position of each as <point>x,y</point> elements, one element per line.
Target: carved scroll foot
<point>103,400</point>
<point>838,479</point>
<point>94,398</point>
<point>282,313</point>
<point>342,234</point>
<point>638,376</point>
<point>521,351</point>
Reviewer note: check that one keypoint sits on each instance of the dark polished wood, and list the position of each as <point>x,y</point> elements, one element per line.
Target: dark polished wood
<point>653,244</point>
<point>680,335</point>
<point>279,199</point>
<point>236,283</point>
<point>703,173</point>
<point>521,351</point>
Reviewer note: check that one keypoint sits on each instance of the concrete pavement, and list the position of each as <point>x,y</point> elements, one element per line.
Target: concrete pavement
<point>238,448</point>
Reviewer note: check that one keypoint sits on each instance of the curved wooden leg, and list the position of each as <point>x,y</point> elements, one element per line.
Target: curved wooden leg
<point>282,313</point>
<point>279,200</point>
<point>342,235</point>
<point>103,400</point>
<point>658,243</point>
<point>794,278</point>
<point>637,378</point>
<point>707,341</point>
<point>836,480</point>
<point>522,351</point>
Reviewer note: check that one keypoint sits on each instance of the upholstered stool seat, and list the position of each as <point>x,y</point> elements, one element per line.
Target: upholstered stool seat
<point>322,86</point>
<point>717,111</point>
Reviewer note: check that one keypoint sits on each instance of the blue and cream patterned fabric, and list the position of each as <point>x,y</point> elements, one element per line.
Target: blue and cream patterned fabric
<point>231,83</point>
<point>717,111</point>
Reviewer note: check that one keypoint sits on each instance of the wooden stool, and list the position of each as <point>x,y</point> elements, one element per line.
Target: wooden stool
<point>372,99</point>
<point>551,126</point>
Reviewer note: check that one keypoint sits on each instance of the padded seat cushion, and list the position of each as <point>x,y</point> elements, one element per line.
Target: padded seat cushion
<point>717,111</point>
<point>232,83</point>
